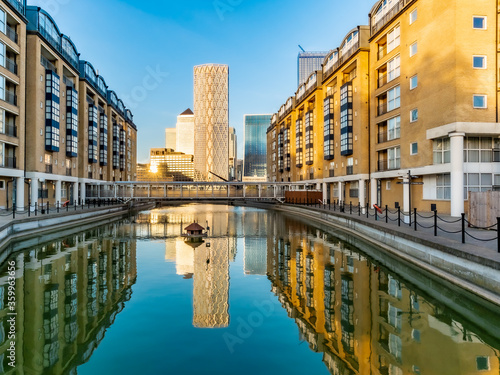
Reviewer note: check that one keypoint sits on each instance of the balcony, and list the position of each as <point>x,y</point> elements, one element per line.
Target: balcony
<point>382,109</point>
<point>11,65</point>
<point>10,162</point>
<point>354,193</point>
<point>48,168</point>
<point>383,166</point>
<point>48,64</point>
<point>11,34</point>
<point>382,80</point>
<point>382,51</point>
<point>382,137</point>
<point>68,172</point>
<point>10,97</point>
<point>391,13</point>
<point>496,155</point>
<point>18,5</point>
<point>331,173</point>
<point>10,130</point>
<point>349,170</point>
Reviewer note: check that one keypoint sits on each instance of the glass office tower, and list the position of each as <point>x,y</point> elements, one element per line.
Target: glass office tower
<point>307,63</point>
<point>255,164</point>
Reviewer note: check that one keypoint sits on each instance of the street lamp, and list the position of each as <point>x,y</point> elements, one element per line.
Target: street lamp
<point>42,181</point>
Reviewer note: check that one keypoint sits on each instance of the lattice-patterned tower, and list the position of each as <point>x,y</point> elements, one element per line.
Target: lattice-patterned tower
<point>211,108</point>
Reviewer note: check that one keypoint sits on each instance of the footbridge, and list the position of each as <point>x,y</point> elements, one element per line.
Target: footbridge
<point>193,191</point>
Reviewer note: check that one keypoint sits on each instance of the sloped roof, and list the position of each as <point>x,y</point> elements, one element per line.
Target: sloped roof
<point>194,227</point>
<point>187,112</point>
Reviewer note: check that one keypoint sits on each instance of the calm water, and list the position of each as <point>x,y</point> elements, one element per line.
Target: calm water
<point>263,294</point>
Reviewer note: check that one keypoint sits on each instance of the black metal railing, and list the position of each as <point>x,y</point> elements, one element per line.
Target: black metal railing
<point>382,80</point>
<point>68,172</point>
<point>10,162</point>
<point>382,137</point>
<point>10,97</point>
<point>331,173</point>
<point>11,65</point>
<point>383,165</point>
<point>382,52</point>
<point>47,64</point>
<point>349,170</point>
<point>11,130</point>
<point>11,33</point>
<point>48,168</point>
<point>354,193</point>
<point>382,109</point>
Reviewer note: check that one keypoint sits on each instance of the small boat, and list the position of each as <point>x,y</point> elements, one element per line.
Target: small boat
<point>194,231</point>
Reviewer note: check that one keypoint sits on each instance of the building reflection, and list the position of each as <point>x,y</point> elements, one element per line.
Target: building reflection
<point>67,293</point>
<point>360,316</point>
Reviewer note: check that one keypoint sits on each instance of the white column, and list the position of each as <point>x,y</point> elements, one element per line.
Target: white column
<point>341,191</point>
<point>114,190</point>
<point>260,191</point>
<point>228,191</point>
<point>20,193</point>
<point>406,198</point>
<point>75,192</point>
<point>457,173</point>
<point>58,188</point>
<point>34,192</point>
<point>132,191</point>
<point>373,191</point>
<point>325,192</point>
<point>244,191</point>
<point>362,195</point>
<point>82,192</point>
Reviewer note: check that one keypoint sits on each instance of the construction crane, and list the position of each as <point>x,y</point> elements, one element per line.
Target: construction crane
<point>303,50</point>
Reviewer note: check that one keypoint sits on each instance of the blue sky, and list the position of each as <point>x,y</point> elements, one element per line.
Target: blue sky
<point>146,50</point>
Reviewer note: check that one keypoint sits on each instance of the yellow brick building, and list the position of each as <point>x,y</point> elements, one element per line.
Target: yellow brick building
<point>411,96</point>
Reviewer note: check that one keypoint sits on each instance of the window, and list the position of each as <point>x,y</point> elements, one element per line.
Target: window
<point>2,87</point>
<point>415,335</point>
<point>393,39</point>
<point>483,363</point>
<point>3,22</point>
<point>394,158</point>
<point>479,62</point>
<point>393,98</point>
<point>480,150</point>
<point>328,128</point>
<point>393,128</point>
<point>2,54</point>
<point>479,22</point>
<point>393,69</point>
<point>441,150</point>
<point>414,115</point>
<point>413,49</point>
<point>2,184</point>
<point>413,82</point>
<point>414,148</point>
<point>479,101</point>
<point>413,16</point>
<point>477,182</point>
<point>346,120</point>
<point>2,121</point>
<point>388,185</point>
<point>394,317</point>
<point>443,186</point>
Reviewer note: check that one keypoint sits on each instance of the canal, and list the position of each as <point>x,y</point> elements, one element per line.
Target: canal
<point>264,293</point>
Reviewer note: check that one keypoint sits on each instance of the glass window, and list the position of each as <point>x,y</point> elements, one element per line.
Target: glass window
<point>414,115</point>
<point>393,128</point>
<point>443,186</point>
<point>3,22</point>
<point>479,101</point>
<point>479,62</point>
<point>441,149</point>
<point>393,39</point>
<point>479,22</point>
<point>414,82</point>
<point>414,149</point>
<point>413,16</point>
<point>393,98</point>
<point>2,54</point>
<point>393,69</point>
<point>394,158</point>
<point>413,49</point>
<point>2,87</point>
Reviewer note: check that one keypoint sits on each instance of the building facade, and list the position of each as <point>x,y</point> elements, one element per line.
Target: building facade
<point>169,165</point>
<point>185,132</point>
<point>308,63</point>
<point>171,138</point>
<point>211,108</point>
<point>79,135</point>
<point>389,127</point>
<point>255,163</point>
<point>12,103</point>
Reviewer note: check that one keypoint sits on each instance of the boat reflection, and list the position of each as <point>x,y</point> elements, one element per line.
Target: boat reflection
<point>362,317</point>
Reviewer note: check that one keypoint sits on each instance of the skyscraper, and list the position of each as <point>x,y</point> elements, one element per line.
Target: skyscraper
<point>171,138</point>
<point>307,63</point>
<point>233,153</point>
<point>185,132</point>
<point>211,108</point>
<point>255,162</point>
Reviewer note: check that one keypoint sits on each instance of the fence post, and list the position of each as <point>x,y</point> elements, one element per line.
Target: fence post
<point>463,228</point>
<point>435,223</point>
<point>67,207</point>
<point>13,211</point>
<point>359,208</point>
<point>399,216</point>
<point>36,207</point>
<point>350,208</point>
<point>75,205</point>
<point>48,208</point>
<point>376,215</point>
<point>386,214</point>
<point>415,214</point>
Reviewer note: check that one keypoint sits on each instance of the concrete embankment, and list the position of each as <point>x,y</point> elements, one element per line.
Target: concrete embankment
<point>473,269</point>
<point>15,233</point>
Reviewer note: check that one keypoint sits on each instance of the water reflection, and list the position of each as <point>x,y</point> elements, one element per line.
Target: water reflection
<point>67,294</point>
<point>363,318</point>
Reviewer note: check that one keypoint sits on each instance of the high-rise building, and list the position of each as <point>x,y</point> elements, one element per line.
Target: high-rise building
<point>211,108</point>
<point>166,164</point>
<point>233,153</point>
<point>185,132</point>
<point>307,63</point>
<point>171,138</point>
<point>255,163</point>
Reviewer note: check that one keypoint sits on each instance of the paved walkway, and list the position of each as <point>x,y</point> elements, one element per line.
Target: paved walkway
<point>478,242</point>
